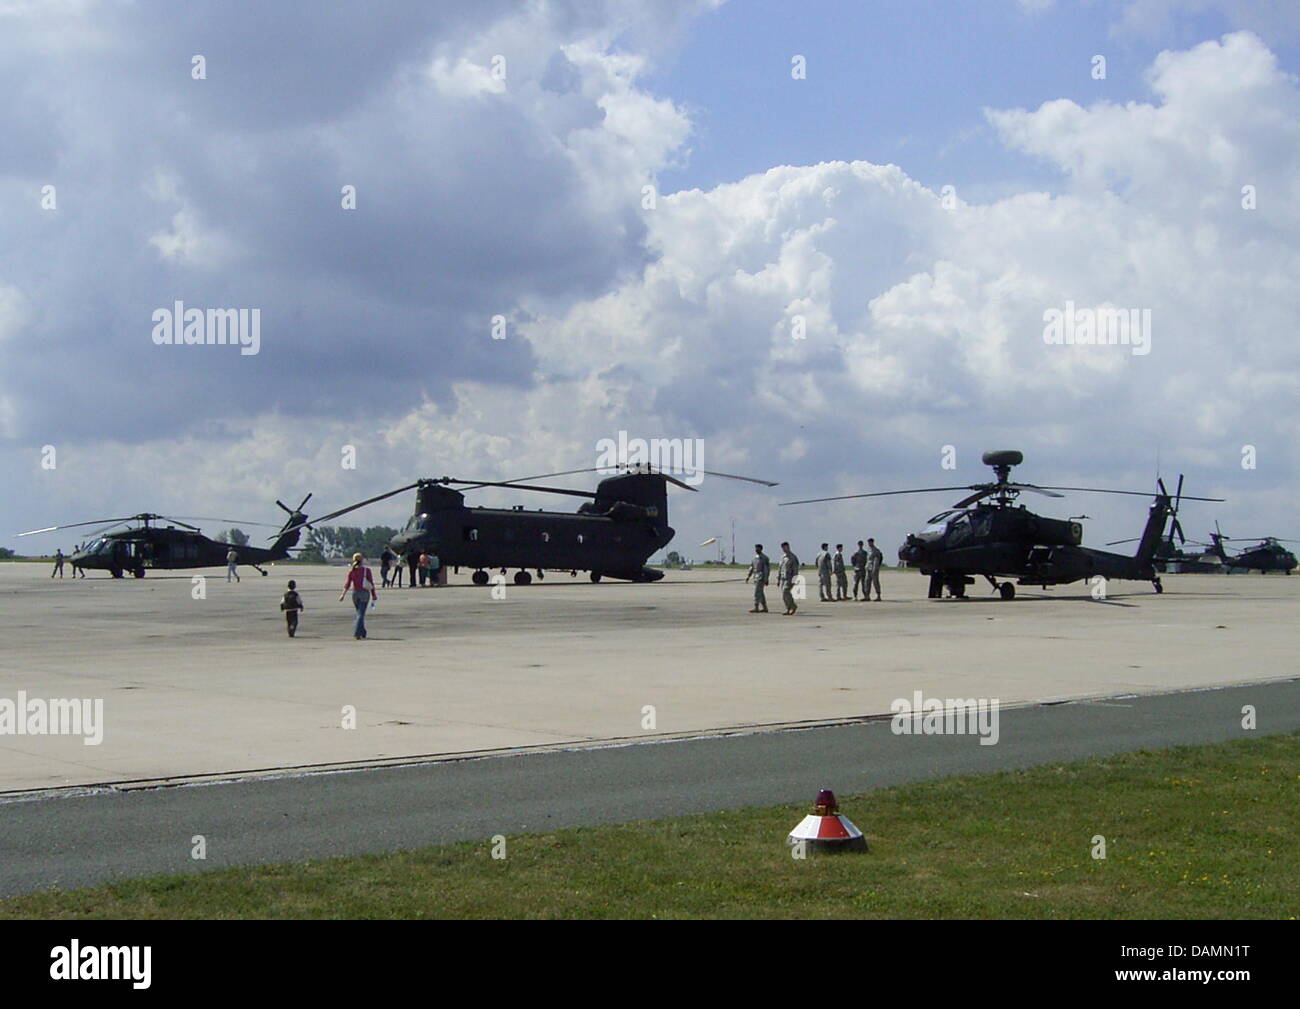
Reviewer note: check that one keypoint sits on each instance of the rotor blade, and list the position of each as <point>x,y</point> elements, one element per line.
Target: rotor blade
<point>1046,492</point>
<point>1134,493</point>
<point>882,493</point>
<point>209,518</point>
<point>177,521</point>
<point>344,511</point>
<point>747,479</point>
<point>1115,543</point>
<point>631,469</point>
<point>74,525</point>
<point>978,495</point>
<point>524,486</point>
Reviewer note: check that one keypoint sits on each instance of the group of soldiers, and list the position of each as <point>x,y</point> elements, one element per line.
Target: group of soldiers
<point>865,561</point>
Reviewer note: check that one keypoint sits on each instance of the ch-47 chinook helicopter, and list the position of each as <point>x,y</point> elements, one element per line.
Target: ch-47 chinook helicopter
<point>1267,555</point>
<point>175,545</point>
<point>611,535</point>
<point>987,534</point>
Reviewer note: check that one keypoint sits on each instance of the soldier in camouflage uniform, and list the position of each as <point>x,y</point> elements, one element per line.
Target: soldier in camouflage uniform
<point>874,559</point>
<point>786,574</point>
<point>859,562</point>
<point>759,569</point>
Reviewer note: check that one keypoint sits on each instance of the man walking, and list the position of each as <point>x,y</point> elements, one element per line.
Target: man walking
<point>859,562</point>
<point>759,568</point>
<point>874,559</point>
<point>58,563</point>
<point>232,562</point>
<point>785,576</point>
<point>841,580</point>
<point>385,562</point>
<point>823,563</point>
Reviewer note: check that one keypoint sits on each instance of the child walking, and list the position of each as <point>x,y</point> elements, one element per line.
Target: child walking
<point>291,604</point>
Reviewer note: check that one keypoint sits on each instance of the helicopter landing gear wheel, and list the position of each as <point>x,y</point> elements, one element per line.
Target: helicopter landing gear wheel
<point>138,572</point>
<point>115,572</point>
<point>1156,584</point>
<point>523,578</point>
<point>595,576</point>
<point>936,586</point>
<point>957,587</point>
<point>1007,591</point>
<point>480,578</point>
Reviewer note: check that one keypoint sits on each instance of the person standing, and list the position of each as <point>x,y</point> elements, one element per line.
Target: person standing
<point>359,577</point>
<point>425,568</point>
<point>823,564</point>
<point>874,560</point>
<point>841,580</point>
<point>58,562</point>
<point>785,576</point>
<point>759,569</point>
<point>232,562</point>
<point>399,566</point>
<point>385,562</point>
<point>291,603</point>
<point>859,562</point>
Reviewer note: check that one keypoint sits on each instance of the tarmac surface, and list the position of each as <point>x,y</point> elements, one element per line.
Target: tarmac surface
<point>212,687</point>
<point>86,839</point>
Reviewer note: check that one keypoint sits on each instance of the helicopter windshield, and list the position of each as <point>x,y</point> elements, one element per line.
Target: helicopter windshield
<point>943,517</point>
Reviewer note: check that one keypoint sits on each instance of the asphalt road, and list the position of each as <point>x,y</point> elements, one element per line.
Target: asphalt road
<point>83,839</point>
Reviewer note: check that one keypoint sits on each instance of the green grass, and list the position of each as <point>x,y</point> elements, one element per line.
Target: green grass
<point>1193,832</point>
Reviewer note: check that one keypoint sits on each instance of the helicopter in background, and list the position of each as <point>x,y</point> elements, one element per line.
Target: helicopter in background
<point>987,534</point>
<point>1267,555</point>
<point>612,534</point>
<point>175,546</point>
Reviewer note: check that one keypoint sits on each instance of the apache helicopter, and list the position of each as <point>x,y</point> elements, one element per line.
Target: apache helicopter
<point>176,545</point>
<point>997,538</point>
<point>611,535</point>
<point>1267,555</point>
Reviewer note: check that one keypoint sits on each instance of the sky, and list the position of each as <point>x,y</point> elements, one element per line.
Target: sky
<point>821,241</point>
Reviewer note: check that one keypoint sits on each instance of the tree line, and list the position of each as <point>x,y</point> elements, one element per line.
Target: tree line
<point>326,542</point>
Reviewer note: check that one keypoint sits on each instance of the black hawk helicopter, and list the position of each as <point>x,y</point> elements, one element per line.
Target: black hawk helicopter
<point>174,546</point>
<point>987,534</point>
<point>611,535</point>
<point>1267,555</point>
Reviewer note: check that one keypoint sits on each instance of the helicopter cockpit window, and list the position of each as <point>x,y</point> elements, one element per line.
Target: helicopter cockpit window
<point>941,518</point>
<point>959,530</point>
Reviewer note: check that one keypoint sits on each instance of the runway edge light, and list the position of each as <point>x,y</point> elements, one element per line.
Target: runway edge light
<point>826,829</point>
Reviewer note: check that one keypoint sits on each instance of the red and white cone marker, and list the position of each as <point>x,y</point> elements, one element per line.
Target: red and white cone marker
<point>825,829</point>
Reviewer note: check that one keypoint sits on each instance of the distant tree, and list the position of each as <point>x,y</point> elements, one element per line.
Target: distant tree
<point>674,558</point>
<point>375,539</point>
<point>237,537</point>
<point>6,553</point>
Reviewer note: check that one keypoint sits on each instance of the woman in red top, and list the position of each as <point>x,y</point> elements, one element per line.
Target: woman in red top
<point>359,577</point>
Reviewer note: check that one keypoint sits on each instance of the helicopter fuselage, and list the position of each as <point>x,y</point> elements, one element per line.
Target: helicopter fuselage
<point>613,535</point>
